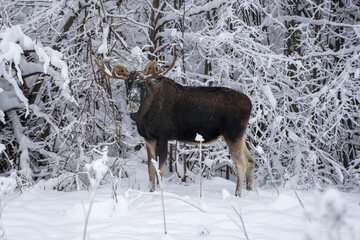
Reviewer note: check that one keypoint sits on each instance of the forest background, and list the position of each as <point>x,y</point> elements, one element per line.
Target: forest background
<point>298,61</point>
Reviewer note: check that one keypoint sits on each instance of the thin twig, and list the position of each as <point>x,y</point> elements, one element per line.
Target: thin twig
<point>297,196</point>
<point>242,223</point>
<point>88,214</point>
<point>171,196</point>
<point>156,166</point>
<point>270,173</point>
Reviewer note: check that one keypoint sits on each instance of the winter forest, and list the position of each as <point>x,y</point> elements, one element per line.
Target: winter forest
<point>297,60</point>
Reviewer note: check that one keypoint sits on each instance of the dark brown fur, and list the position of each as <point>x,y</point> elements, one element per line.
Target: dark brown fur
<point>170,111</point>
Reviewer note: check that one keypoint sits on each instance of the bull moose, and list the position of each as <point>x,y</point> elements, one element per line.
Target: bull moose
<point>164,110</point>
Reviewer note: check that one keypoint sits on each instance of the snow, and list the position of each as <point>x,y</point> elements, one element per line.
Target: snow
<point>37,112</point>
<point>43,57</point>
<point>103,49</point>
<point>314,101</point>
<point>99,169</point>
<point>11,52</point>
<point>9,100</point>
<point>199,138</point>
<point>55,58</point>
<point>173,33</point>
<point>47,214</point>
<point>12,35</point>
<point>17,89</point>
<point>12,45</point>
<point>2,116</point>
<point>2,148</point>
<point>260,150</point>
<point>269,95</point>
<point>136,53</point>
<point>357,73</point>
<point>293,136</point>
<point>207,7</point>
<point>329,213</point>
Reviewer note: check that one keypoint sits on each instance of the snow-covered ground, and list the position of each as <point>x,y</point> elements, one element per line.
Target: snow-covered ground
<point>48,214</point>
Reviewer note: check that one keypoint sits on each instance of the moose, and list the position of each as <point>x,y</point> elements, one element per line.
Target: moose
<point>164,110</point>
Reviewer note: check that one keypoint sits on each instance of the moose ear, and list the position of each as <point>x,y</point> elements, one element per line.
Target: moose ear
<point>150,68</point>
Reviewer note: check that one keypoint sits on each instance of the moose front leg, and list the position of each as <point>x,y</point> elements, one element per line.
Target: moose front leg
<point>157,150</point>
<point>151,151</point>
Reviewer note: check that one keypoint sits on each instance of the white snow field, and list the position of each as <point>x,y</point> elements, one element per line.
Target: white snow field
<point>48,214</point>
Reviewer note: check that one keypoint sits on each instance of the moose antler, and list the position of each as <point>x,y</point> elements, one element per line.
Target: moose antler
<point>118,72</point>
<point>150,69</point>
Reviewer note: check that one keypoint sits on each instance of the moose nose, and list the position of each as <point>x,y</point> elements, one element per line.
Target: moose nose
<point>133,108</point>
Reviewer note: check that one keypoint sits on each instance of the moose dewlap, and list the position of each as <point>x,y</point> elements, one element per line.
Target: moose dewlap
<point>165,110</point>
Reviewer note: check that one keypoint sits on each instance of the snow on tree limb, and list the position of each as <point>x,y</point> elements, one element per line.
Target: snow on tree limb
<point>2,148</point>
<point>103,47</point>
<point>13,42</point>
<point>24,144</point>
<point>43,57</point>
<point>2,116</point>
<point>15,85</point>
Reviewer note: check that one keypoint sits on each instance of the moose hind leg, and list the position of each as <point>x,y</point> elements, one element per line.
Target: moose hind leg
<point>237,154</point>
<point>250,169</point>
<point>151,151</point>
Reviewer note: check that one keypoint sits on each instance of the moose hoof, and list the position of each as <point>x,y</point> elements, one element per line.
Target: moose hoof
<point>238,193</point>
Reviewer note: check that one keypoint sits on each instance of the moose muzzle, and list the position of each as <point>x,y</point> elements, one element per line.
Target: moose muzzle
<point>133,100</point>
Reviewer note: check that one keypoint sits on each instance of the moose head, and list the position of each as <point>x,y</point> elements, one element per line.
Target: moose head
<point>164,110</point>
<point>137,82</point>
